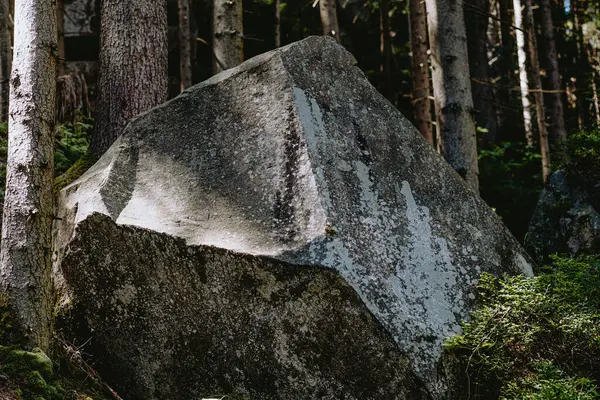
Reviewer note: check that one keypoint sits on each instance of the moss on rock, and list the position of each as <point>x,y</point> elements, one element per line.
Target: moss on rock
<point>73,173</point>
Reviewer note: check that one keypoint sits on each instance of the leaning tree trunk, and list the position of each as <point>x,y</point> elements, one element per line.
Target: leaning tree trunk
<point>133,65</point>
<point>420,69</point>
<point>557,114</point>
<point>538,94</point>
<point>329,19</point>
<point>228,33</point>
<point>26,249</point>
<point>185,45</point>
<point>5,56</point>
<point>452,88</point>
<point>523,80</point>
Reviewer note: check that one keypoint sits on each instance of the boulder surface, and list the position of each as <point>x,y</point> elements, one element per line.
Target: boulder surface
<point>279,231</point>
<point>566,220</point>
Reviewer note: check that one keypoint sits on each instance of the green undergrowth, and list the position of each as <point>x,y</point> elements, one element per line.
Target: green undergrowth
<point>534,337</point>
<point>32,374</point>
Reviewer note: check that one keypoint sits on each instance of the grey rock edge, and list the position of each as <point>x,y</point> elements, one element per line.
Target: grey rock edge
<point>213,247</point>
<point>564,221</point>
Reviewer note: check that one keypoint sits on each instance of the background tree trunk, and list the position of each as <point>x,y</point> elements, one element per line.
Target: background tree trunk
<point>539,96</point>
<point>5,56</point>
<point>185,43</point>
<point>228,32</point>
<point>523,80</point>
<point>557,115</point>
<point>452,88</point>
<point>385,48</point>
<point>60,21</point>
<point>420,69</point>
<point>277,23</point>
<point>476,15</point>
<point>133,65</point>
<point>329,20</point>
<point>26,248</point>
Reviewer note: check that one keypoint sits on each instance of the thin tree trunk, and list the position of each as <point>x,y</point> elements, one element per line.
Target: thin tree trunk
<point>133,65</point>
<point>329,21</point>
<point>385,47</point>
<point>538,94</point>
<point>5,56</point>
<point>583,63</point>
<point>505,96</point>
<point>228,33</point>
<point>452,88</point>
<point>185,51</point>
<point>277,23</point>
<point>595,99</point>
<point>523,80</point>
<point>557,114</point>
<point>420,69</point>
<point>476,16</point>
<point>26,248</point>
<point>60,18</point>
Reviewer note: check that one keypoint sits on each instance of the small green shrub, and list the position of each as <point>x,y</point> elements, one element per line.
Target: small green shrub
<point>510,177</point>
<point>71,143</point>
<point>534,338</point>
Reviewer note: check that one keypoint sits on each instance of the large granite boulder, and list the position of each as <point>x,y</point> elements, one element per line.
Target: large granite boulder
<point>279,231</point>
<point>566,220</point>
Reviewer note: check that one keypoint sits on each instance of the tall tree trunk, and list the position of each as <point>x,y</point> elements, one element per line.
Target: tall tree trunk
<point>538,94</point>
<point>476,15</point>
<point>385,47</point>
<point>133,65</point>
<point>5,56</point>
<point>557,114</point>
<point>595,98</point>
<point>26,248</point>
<point>506,121</point>
<point>452,87</point>
<point>420,68</point>
<point>228,32</point>
<point>329,21</point>
<point>277,24</point>
<point>185,45</point>
<point>583,63</point>
<point>60,18</point>
<point>523,80</point>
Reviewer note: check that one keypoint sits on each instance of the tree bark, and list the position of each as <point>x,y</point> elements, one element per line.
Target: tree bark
<point>537,86</point>
<point>329,21</point>
<point>5,56</point>
<point>26,248</point>
<point>420,69</point>
<point>228,33</point>
<point>133,65</point>
<point>452,88</point>
<point>277,24</point>
<point>476,15</point>
<point>385,47</point>
<point>185,45</point>
<point>60,21</point>
<point>557,114</point>
<point>523,80</point>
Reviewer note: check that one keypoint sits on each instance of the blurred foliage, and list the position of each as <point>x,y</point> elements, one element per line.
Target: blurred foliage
<point>510,179</point>
<point>71,143</point>
<point>534,337</point>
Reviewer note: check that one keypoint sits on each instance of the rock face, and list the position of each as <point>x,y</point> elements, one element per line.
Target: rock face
<point>279,231</point>
<point>565,221</point>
